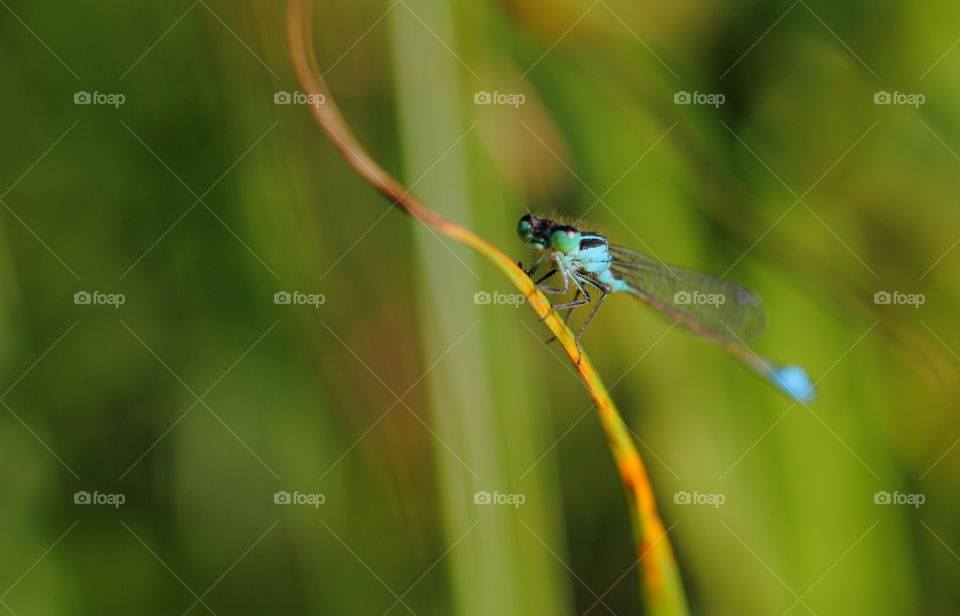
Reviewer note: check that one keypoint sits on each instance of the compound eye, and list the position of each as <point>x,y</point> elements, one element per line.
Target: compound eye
<point>565,240</point>
<point>525,229</point>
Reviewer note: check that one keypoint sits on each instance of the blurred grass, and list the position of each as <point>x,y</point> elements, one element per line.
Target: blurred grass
<point>468,403</point>
<point>796,501</point>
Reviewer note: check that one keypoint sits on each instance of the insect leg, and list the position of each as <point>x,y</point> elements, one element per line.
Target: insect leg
<point>566,281</point>
<point>566,318</point>
<point>548,275</point>
<point>575,303</point>
<point>590,316</point>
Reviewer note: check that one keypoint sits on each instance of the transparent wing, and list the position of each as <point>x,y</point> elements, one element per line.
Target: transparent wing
<point>707,305</point>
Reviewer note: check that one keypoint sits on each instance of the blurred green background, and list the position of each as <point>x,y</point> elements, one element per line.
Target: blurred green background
<point>399,398</point>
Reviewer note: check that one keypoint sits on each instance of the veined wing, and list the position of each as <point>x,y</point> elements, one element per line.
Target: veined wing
<point>707,305</point>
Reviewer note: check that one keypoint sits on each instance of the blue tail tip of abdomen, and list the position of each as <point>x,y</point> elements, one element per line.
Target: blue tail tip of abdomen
<point>794,382</point>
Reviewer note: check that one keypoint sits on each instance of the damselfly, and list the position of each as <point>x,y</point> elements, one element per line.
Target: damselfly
<point>710,307</point>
